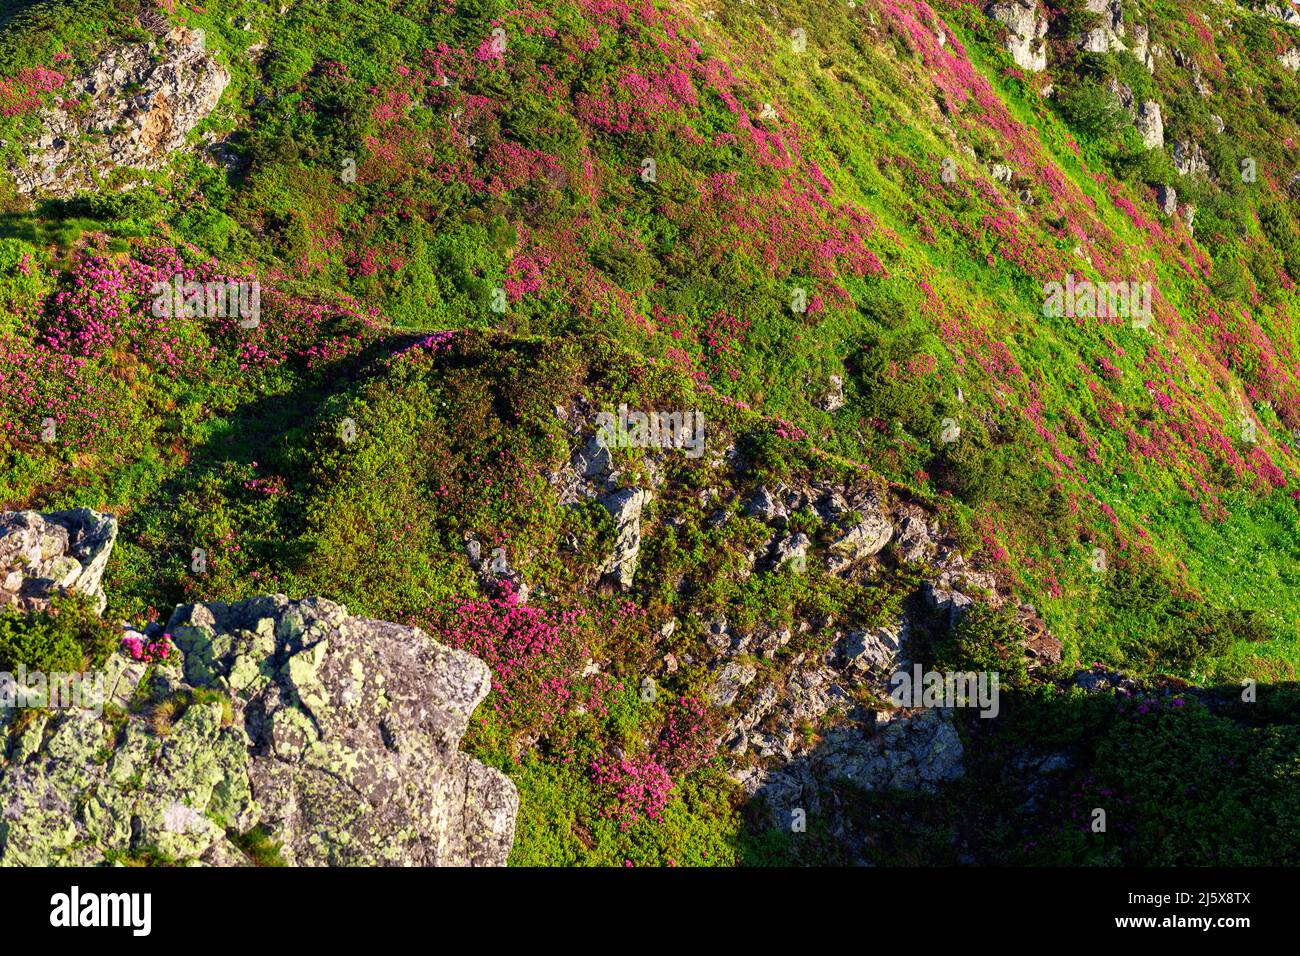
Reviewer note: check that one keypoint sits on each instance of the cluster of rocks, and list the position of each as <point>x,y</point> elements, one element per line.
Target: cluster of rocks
<point>1026,28</point>
<point>900,750</point>
<point>1111,32</point>
<point>1146,115</point>
<point>1190,159</point>
<point>60,552</point>
<point>336,735</point>
<point>591,473</point>
<point>136,108</point>
<point>796,730</point>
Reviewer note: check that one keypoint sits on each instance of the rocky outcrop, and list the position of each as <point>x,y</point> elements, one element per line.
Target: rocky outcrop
<point>624,506</point>
<point>729,682</point>
<point>1141,48</point>
<point>1284,12</point>
<point>949,590</point>
<point>1167,199</point>
<point>833,400</point>
<point>1150,124</point>
<point>912,542</point>
<point>134,109</point>
<point>1026,27</point>
<point>1106,36</point>
<point>336,735</point>
<point>876,653</point>
<point>1190,159</point>
<point>901,750</point>
<point>42,555</point>
<point>865,538</point>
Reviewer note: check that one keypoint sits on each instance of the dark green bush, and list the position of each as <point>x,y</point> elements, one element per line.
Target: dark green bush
<point>987,638</point>
<point>67,637</point>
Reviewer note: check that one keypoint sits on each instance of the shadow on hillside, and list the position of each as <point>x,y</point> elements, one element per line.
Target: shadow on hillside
<point>1192,778</point>
<point>272,431</point>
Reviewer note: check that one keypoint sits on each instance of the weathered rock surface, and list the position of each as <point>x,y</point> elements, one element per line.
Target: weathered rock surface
<point>729,682</point>
<point>336,734</point>
<point>877,653</point>
<point>833,400</point>
<point>912,543</point>
<point>139,104</point>
<point>866,538</point>
<point>1150,124</point>
<point>1190,159</point>
<point>1167,199</point>
<point>624,506</point>
<point>903,750</point>
<point>1026,28</point>
<point>42,555</point>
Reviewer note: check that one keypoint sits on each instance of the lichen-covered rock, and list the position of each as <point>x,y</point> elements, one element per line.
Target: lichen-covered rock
<point>74,791</point>
<point>337,735</point>
<point>42,555</point>
<point>136,108</point>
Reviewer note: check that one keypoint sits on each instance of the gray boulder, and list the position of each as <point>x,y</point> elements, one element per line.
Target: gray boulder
<point>864,539</point>
<point>625,507</point>
<point>1150,124</point>
<point>1189,158</point>
<point>734,677</point>
<point>766,506</point>
<point>1167,199</point>
<point>1026,27</point>
<point>42,555</point>
<point>912,544</point>
<point>337,735</point>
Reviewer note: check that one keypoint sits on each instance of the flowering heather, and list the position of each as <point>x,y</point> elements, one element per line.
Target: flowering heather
<point>148,651</point>
<point>533,653</point>
<point>638,788</point>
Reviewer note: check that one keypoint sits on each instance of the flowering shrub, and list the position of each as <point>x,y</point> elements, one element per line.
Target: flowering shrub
<point>534,653</point>
<point>688,737</point>
<point>149,651</point>
<point>637,788</point>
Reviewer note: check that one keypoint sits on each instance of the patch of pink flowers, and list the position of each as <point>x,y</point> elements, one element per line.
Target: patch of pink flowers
<point>532,651</point>
<point>150,652</point>
<point>639,788</point>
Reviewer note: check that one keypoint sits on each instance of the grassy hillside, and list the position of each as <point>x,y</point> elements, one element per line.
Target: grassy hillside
<point>678,206</point>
